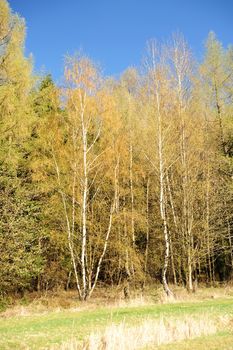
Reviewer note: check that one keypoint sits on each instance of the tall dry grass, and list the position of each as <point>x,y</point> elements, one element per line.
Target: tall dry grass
<point>149,333</point>
<point>42,303</point>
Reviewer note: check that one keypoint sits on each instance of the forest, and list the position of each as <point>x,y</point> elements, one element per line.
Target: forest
<point>115,181</point>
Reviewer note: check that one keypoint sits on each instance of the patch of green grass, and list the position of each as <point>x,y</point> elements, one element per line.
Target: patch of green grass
<point>221,340</point>
<point>39,331</point>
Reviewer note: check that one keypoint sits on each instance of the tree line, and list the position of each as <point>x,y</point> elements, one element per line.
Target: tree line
<point>117,181</point>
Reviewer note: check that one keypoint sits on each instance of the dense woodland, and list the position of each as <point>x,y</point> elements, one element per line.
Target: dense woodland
<point>115,181</point>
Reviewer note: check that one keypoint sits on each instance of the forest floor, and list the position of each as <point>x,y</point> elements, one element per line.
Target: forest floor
<point>60,321</point>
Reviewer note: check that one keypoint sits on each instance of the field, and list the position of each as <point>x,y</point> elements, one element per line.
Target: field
<point>206,317</point>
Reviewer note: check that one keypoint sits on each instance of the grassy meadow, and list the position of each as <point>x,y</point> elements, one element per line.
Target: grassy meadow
<point>199,321</point>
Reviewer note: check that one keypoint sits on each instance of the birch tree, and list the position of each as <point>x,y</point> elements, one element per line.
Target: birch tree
<point>85,162</point>
<point>159,97</point>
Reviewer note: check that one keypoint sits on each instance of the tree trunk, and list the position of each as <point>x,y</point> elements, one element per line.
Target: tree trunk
<point>162,201</point>
<point>147,230</point>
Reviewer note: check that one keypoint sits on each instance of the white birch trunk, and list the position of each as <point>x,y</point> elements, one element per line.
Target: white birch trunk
<point>68,226</point>
<point>162,197</point>
<point>84,205</point>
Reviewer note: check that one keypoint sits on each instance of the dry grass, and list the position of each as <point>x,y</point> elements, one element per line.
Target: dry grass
<point>149,333</point>
<point>202,293</point>
<point>39,304</point>
<point>36,304</point>
<point>111,297</point>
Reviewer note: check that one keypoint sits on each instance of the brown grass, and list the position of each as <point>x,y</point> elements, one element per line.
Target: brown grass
<point>36,303</point>
<point>149,333</point>
<point>202,293</point>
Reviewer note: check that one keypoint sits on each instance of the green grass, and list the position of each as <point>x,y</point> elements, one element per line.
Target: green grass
<point>219,341</point>
<point>41,331</point>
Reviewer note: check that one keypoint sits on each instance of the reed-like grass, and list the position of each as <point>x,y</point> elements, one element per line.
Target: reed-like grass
<point>148,333</point>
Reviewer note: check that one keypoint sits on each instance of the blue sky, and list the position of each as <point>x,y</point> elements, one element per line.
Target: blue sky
<point>114,32</point>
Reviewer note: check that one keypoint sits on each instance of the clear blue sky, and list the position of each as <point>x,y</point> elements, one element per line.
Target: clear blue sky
<point>114,32</point>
